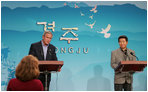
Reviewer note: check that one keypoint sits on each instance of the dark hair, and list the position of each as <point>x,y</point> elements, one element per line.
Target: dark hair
<point>27,69</point>
<point>123,36</point>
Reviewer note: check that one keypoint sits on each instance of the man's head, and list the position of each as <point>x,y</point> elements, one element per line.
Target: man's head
<point>47,36</point>
<point>123,41</point>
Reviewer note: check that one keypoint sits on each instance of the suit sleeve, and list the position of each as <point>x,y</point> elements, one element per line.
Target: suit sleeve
<point>54,55</point>
<point>134,58</point>
<point>32,51</point>
<point>114,65</point>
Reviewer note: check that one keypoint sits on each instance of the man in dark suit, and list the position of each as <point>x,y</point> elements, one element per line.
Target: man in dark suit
<point>43,50</point>
<point>122,80</point>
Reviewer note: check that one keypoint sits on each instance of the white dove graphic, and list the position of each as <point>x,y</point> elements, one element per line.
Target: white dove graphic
<point>104,31</point>
<point>81,14</point>
<point>91,16</point>
<point>76,6</point>
<point>94,9</point>
<point>91,25</point>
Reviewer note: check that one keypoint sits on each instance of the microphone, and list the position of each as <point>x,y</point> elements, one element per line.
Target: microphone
<point>134,55</point>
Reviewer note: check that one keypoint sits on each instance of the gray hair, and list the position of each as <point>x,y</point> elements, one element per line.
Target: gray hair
<point>47,32</point>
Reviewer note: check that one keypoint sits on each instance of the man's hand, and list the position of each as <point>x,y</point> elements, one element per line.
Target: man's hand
<point>131,72</point>
<point>59,70</point>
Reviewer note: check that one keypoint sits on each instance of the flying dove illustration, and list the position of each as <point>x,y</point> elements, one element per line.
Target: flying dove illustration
<point>94,9</point>
<point>76,6</point>
<point>81,14</point>
<point>104,31</point>
<point>91,16</point>
<point>91,25</point>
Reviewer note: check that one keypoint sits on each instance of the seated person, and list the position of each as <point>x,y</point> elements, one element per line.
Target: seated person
<point>26,74</point>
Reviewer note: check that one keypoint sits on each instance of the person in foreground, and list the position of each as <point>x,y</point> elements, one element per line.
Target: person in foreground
<point>122,80</point>
<point>26,74</point>
<point>44,51</point>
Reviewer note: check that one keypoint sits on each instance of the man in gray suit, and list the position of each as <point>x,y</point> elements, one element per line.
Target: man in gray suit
<point>122,80</point>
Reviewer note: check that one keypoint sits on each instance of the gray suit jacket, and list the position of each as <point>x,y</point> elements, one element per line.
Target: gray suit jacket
<point>116,57</point>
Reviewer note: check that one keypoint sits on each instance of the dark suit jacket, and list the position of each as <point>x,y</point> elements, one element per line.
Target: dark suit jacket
<point>36,50</point>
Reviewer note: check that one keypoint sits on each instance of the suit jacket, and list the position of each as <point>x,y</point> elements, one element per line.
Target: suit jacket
<point>36,50</point>
<point>116,57</point>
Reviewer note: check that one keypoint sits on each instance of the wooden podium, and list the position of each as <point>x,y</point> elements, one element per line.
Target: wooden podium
<point>135,66</point>
<point>47,67</point>
<point>50,65</point>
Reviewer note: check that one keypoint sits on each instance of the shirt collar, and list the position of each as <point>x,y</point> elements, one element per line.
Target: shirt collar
<point>125,51</point>
<point>43,43</point>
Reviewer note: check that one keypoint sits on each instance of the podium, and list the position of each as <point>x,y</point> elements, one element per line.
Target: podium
<point>50,65</point>
<point>47,67</point>
<point>135,66</point>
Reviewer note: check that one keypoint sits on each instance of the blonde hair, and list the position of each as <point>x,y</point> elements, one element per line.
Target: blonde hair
<point>27,69</point>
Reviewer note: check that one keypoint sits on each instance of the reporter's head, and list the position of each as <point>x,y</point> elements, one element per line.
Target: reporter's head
<point>27,69</point>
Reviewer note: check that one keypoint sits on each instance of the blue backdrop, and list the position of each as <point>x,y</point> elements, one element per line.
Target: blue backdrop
<point>81,71</point>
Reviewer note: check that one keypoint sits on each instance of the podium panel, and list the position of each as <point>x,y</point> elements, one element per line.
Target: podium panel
<point>136,66</point>
<point>50,65</point>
